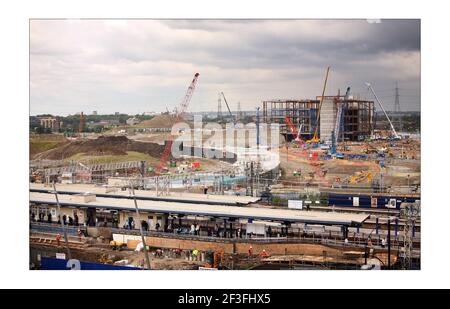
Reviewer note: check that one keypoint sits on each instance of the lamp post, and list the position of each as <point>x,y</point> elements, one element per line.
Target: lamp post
<point>63,226</point>
<point>147,258</point>
<point>389,243</point>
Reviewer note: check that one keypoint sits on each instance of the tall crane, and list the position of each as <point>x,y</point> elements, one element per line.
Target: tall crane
<point>396,136</point>
<point>315,138</point>
<point>228,107</point>
<point>180,112</point>
<point>182,108</point>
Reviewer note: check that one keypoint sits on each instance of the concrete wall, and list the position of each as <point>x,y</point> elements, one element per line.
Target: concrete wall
<point>328,113</point>
<point>224,156</point>
<point>243,247</point>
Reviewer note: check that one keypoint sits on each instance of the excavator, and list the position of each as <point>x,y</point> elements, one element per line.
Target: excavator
<point>361,176</point>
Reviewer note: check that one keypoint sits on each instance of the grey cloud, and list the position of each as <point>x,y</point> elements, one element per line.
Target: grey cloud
<point>142,65</point>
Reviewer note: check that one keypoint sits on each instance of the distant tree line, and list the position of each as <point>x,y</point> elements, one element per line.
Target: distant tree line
<point>92,123</point>
<point>405,121</point>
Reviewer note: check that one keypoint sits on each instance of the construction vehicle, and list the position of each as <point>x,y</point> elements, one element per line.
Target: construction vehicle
<point>195,166</point>
<point>297,173</point>
<point>370,149</point>
<point>333,151</point>
<point>117,245</point>
<point>361,176</point>
<point>316,139</point>
<point>180,111</point>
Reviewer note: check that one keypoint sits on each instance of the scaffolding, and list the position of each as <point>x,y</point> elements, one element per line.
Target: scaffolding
<point>410,212</point>
<point>96,172</point>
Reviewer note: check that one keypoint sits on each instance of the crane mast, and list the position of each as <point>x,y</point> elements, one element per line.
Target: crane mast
<point>182,108</point>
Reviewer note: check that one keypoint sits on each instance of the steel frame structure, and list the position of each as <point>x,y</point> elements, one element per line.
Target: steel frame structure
<point>358,116</point>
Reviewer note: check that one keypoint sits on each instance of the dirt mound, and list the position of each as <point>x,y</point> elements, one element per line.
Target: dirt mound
<point>161,121</point>
<point>102,146</point>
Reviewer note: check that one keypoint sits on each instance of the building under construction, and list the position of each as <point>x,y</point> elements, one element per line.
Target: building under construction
<point>350,119</point>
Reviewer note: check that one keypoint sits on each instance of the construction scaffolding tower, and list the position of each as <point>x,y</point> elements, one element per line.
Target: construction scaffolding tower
<point>410,212</point>
<point>397,108</point>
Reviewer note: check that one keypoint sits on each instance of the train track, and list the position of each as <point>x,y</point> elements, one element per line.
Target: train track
<point>49,240</point>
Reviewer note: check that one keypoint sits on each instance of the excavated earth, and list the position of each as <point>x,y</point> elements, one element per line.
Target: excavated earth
<point>103,145</point>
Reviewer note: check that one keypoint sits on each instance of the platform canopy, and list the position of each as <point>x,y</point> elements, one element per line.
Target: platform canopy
<point>182,197</point>
<point>219,211</point>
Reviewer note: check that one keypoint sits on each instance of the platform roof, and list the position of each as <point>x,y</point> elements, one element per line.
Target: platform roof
<point>182,197</point>
<point>175,208</point>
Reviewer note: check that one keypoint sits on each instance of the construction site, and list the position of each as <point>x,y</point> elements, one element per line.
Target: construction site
<point>310,183</point>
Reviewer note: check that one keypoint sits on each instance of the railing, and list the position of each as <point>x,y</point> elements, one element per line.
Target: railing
<point>324,239</point>
<point>55,228</point>
<point>359,242</point>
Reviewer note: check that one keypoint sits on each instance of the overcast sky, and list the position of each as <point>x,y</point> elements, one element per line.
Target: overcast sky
<point>139,66</point>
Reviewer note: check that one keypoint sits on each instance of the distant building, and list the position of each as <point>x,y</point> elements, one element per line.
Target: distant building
<point>94,113</point>
<point>117,113</point>
<point>50,122</point>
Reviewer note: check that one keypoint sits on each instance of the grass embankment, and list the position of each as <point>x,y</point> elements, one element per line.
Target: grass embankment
<point>43,142</point>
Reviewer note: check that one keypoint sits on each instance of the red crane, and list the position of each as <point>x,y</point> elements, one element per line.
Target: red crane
<point>180,111</point>
<point>294,131</point>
